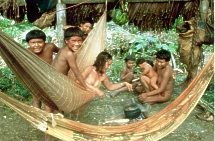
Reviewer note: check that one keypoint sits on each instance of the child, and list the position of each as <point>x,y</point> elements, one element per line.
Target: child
<point>66,58</point>
<point>165,80</point>
<point>127,74</point>
<point>36,41</point>
<point>148,74</point>
<point>96,74</point>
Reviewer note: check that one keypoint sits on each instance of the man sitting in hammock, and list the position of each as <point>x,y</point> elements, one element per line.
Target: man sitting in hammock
<point>96,74</point>
<point>165,80</point>
<point>36,41</point>
<point>65,60</point>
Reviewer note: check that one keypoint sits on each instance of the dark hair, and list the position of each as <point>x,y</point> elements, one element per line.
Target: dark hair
<point>140,61</point>
<point>73,31</point>
<point>150,62</point>
<point>35,34</point>
<point>163,54</point>
<point>101,59</point>
<point>129,57</point>
<point>87,20</point>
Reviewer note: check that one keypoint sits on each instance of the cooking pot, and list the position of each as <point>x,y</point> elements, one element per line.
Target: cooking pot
<point>132,111</point>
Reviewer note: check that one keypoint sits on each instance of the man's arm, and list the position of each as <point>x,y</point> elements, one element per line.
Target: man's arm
<point>96,90</point>
<point>111,86</point>
<point>166,76</point>
<point>123,74</point>
<point>73,66</point>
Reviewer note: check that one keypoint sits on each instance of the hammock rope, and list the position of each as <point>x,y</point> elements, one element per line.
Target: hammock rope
<point>54,89</point>
<point>150,129</point>
<point>59,92</point>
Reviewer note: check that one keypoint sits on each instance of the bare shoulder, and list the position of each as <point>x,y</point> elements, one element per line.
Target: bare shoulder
<point>168,71</point>
<point>51,45</point>
<point>89,68</point>
<point>124,70</point>
<point>169,68</point>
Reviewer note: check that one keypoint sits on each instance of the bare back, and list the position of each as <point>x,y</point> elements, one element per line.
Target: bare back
<point>61,63</point>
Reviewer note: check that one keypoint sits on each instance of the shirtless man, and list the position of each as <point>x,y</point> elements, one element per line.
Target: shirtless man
<point>165,80</point>
<point>148,75</point>
<point>36,41</point>
<point>66,58</point>
<point>96,74</point>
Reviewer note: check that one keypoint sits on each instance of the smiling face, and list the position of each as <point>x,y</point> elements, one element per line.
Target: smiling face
<point>36,45</point>
<point>74,43</point>
<point>161,63</point>
<point>86,27</point>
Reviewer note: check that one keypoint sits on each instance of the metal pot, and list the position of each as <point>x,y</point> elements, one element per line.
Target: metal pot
<point>132,111</point>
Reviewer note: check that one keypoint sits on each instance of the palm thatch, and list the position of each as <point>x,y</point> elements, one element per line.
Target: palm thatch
<point>146,14</point>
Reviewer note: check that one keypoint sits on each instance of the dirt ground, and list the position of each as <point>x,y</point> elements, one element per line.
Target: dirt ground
<point>14,128</point>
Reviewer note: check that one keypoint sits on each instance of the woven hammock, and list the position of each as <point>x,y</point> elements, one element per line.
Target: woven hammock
<point>59,92</point>
<point>150,129</point>
<point>54,89</point>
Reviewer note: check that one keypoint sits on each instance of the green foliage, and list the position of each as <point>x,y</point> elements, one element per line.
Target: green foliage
<point>10,85</point>
<point>119,17</point>
<point>177,22</point>
<point>129,40</point>
<point>121,41</point>
<point>209,94</point>
<point>115,70</point>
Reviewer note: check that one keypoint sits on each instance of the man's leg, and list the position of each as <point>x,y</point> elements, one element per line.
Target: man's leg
<point>145,81</point>
<point>153,82</point>
<point>156,99</point>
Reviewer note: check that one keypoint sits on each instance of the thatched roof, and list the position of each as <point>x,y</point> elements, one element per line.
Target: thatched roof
<point>146,14</point>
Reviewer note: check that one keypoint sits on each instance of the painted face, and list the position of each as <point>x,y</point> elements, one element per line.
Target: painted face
<point>161,63</point>
<point>74,43</point>
<point>36,45</point>
<point>130,64</point>
<point>86,27</point>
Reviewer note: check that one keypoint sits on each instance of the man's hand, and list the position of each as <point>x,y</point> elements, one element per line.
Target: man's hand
<point>129,86</point>
<point>142,97</point>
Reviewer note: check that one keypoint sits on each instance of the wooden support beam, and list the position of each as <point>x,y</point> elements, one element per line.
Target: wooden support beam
<point>22,2</point>
<point>61,21</point>
<point>130,1</point>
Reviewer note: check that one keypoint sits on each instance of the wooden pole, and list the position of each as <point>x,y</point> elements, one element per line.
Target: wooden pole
<point>61,21</point>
